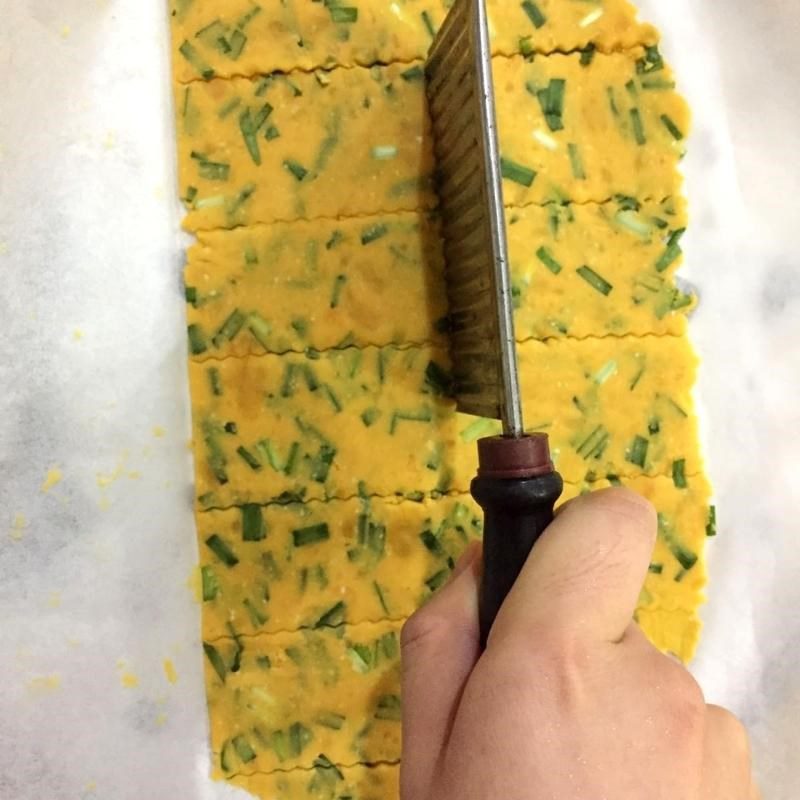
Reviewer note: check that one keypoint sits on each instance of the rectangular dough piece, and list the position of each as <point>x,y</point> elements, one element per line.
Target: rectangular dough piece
<point>241,37</point>
<point>377,421</point>
<point>344,143</point>
<point>595,270</point>
<point>325,781</point>
<point>291,286</point>
<point>577,131</point>
<point>280,568</point>
<point>276,702</point>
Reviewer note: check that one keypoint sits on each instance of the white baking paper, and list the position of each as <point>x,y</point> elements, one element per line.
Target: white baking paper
<point>94,571</point>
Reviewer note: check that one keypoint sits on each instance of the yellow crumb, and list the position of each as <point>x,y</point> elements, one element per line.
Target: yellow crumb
<point>44,683</point>
<point>91,786</point>
<point>3,245</point>
<point>18,527</point>
<point>134,475</point>
<point>158,432</point>
<point>161,719</point>
<point>194,583</point>
<point>129,680</point>
<point>77,334</point>
<point>110,140</point>
<point>158,192</point>
<point>65,31</point>
<point>169,671</point>
<point>54,601</point>
<point>54,476</point>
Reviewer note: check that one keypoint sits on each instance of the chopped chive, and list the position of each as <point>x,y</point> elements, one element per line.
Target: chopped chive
<point>415,73</point>
<point>672,251</point>
<point>631,87</point>
<point>651,62</point>
<point>656,84</point>
<point>637,453</point>
<point>517,172</point>
<point>343,13</point>
<point>673,129</point>
<point>254,529</point>
<point>249,458</point>
<point>594,445</point>
<point>298,170</point>
<point>437,379</point>
<point>311,534</point>
<point>576,162</point>
<point>299,738</point>
<point>332,398</point>
<point>654,426</point>
<point>612,101</point>
<point>656,569</point>
<point>260,328</point>
<point>634,222</point>
<point>191,194</point>
<point>679,473</point>
<point>229,329</point>
<point>636,378</point>
<point>278,744</point>
<point>221,550</point>
<point>248,129</point>
<point>546,257</point>
<point>332,617</point>
<point>388,708</point>
<point>432,544</point>
<point>271,132</point>
<point>332,720</point>
<point>428,23</point>
<point>711,525</point>
<point>370,416</point>
<point>614,480</point>
<point>336,237</point>
<point>243,749</point>
<point>437,580</point>
<point>321,463</point>
<point>257,617</point>
<point>360,656</point>
<point>197,341</point>
<point>384,152</point>
<point>231,427</point>
<point>605,372</point>
<point>209,582</point>
<point>193,57</point>
<point>244,195</point>
<point>551,101</point>
<point>373,233</point>
<point>381,596</point>
<point>594,280</point>
<point>534,13</point>
<point>228,107</point>
<point>338,284</point>
<point>423,415</point>
<point>587,54</point>
<point>237,42</point>
<point>638,127</point>
<point>685,557</point>
<point>216,661</point>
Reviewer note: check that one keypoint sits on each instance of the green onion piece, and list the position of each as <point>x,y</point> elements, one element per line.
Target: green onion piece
<point>197,341</point>
<point>360,656</point>
<point>534,13</point>
<point>516,172</point>
<point>332,617</point>
<point>634,222</point>
<point>656,84</point>
<point>526,47</point>
<point>432,544</point>
<point>278,744</point>
<point>612,101</point>
<point>373,233</point>
<point>711,525</point>
<point>595,444</point>
<point>685,557</point>
<point>194,59</point>
<point>260,328</point>
<point>216,661</point>
<point>230,328</point>
<point>370,416</point>
<point>438,579</point>
<point>271,132</point>
<point>332,398</point>
<point>248,458</point>
<point>298,170</point>
<point>243,749</point>
<point>343,13</point>
<point>299,738</point>
<point>673,129</point>
<point>588,54</point>
<point>546,257</point>
<point>381,597</point>
<point>257,617</point>
<point>338,284</point>
<point>244,195</point>
<point>651,62</point>
<point>321,464</point>
<point>637,453</point>
<point>214,170</point>
<point>437,379</point>
<point>576,162</point>
<point>384,152</point>
<point>311,534</point>
<point>209,583</point>
<point>679,473</point>
<point>594,280</point>
<point>388,708</point>
<point>672,251</point>
<point>551,101</point>
<point>228,107</point>
<point>221,550</point>
<point>237,42</point>
<point>332,720</point>
<point>656,569</point>
<point>428,23</point>
<point>423,415</point>
<point>254,529</point>
<point>248,129</point>
<point>415,73</point>
<point>638,127</point>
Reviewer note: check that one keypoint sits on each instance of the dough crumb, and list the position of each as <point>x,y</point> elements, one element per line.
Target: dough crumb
<point>65,31</point>
<point>54,476</point>
<point>77,334</point>
<point>159,432</point>
<point>18,527</point>
<point>44,683</point>
<point>170,671</point>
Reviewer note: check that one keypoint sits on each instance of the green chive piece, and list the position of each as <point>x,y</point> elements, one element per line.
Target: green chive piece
<point>230,328</point>
<point>248,458</point>
<point>415,73</point>
<point>612,101</point>
<point>332,720</point>
<point>546,257</point>
<point>428,23</point>
<point>243,749</point>
<point>679,473</point>
<point>672,251</point>
<point>711,525</point>
<point>260,328</point>
<point>278,744</point>
<point>576,162</point>
<point>332,398</point>
<point>517,172</point>
<point>271,132</point>
<point>423,415</point>
<point>437,379</point>
<point>190,293</point>
<point>594,445</point>
<point>673,129</point>
<point>551,101</point>
<point>254,529</point>
<point>373,233</point>
<point>216,661</point>
<point>222,550</point>
<point>332,617</point>
<point>587,55</point>
<point>229,107</point>
<point>311,534</point>
<point>637,453</point>
<point>237,42</point>
<point>297,169</point>
<point>209,583</point>
<point>594,280</point>
<point>388,708</point>
<point>194,59</point>
<point>248,129</point>
<point>321,464</point>
<point>526,47</point>
<point>651,62</point>
<point>338,284</point>
<point>437,580</point>
<point>299,738</point>
<point>197,341</point>
<point>534,13</point>
<point>381,597</point>
<point>343,14</point>
<point>370,416</point>
<point>384,152</point>
<point>656,569</point>
<point>638,127</point>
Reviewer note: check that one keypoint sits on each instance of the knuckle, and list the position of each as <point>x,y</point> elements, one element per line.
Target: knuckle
<point>730,728</point>
<point>422,626</point>
<point>683,699</point>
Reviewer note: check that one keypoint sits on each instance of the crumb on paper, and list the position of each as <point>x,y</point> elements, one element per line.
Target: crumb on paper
<point>54,476</point>
<point>158,193</point>
<point>170,671</point>
<point>77,334</point>
<point>18,526</point>
<point>90,787</point>
<point>110,140</point>
<point>54,600</point>
<point>3,245</point>
<point>161,719</point>
<point>42,684</point>
<point>65,31</point>
<point>159,432</point>
<point>127,678</point>
<point>194,584</point>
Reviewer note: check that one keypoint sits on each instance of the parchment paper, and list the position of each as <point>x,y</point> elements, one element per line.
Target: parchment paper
<point>94,570</point>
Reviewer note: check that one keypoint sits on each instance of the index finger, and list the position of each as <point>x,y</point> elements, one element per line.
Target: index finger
<point>585,574</point>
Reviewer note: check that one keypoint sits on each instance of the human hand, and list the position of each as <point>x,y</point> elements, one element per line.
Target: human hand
<point>569,701</point>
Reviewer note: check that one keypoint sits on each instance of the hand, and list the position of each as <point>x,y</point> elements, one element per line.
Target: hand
<point>569,701</point>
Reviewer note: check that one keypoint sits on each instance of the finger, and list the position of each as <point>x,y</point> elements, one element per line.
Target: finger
<point>440,645</point>
<point>586,572</point>
<point>726,758</point>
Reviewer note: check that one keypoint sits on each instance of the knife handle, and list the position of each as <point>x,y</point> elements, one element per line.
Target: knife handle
<point>517,488</point>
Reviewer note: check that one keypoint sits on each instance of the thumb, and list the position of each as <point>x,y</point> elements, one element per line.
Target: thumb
<point>440,645</point>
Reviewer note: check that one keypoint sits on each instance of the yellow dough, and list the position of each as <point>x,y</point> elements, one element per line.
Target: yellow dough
<point>278,701</point>
<point>241,37</point>
<point>345,143</point>
<point>570,131</point>
<point>376,421</point>
<point>316,284</point>
<point>279,568</point>
<point>325,781</point>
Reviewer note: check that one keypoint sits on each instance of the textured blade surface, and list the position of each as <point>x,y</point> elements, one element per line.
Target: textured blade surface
<point>461,99</point>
